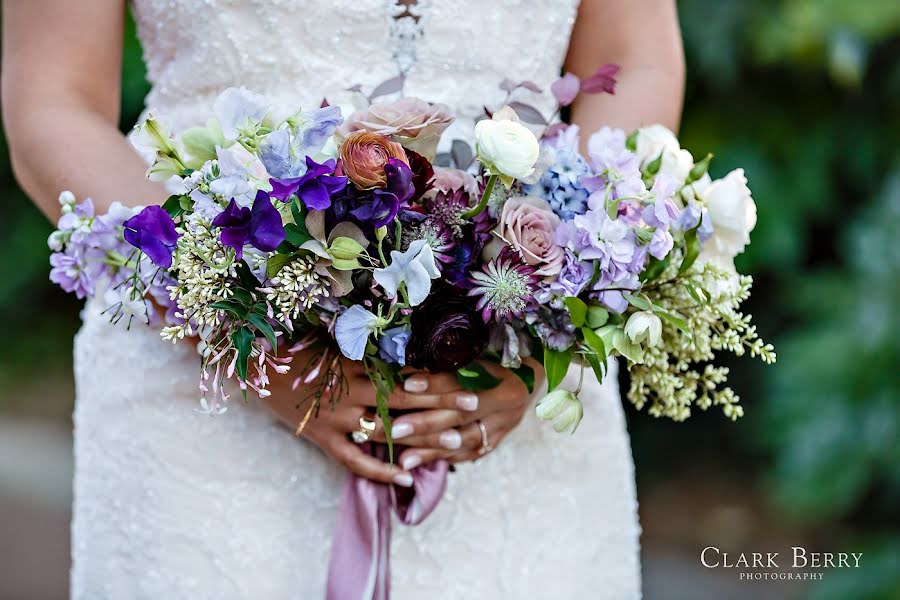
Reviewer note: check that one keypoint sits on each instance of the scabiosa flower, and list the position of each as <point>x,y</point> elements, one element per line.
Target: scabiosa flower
<point>447,208</point>
<point>436,234</point>
<point>503,286</point>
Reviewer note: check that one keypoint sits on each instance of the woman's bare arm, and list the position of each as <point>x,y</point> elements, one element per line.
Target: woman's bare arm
<point>643,37</point>
<point>60,82</point>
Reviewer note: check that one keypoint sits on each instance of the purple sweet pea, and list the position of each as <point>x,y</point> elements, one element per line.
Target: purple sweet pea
<point>380,206</point>
<point>153,232</point>
<point>314,188</point>
<point>260,226</point>
<point>392,345</point>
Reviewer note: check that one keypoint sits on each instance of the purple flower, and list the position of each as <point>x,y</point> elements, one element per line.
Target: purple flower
<point>314,188</point>
<point>614,299</point>
<point>76,272</point>
<point>661,243</point>
<point>663,210</point>
<point>260,226</point>
<point>392,345</point>
<point>615,165</point>
<point>575,274</point>
<point>447,332</point>
<point>153,232</point>
<point>608,241</point>
<point>380,206</point>
<point>503,286</point>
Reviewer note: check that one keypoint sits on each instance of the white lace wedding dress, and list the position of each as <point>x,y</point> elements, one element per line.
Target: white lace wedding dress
<point>173,504</point>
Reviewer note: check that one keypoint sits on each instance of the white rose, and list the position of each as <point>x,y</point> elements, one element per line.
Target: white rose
<point>656,140</point>
<point>505,146</point>
<point>644,325</point>
<point>733,215</point>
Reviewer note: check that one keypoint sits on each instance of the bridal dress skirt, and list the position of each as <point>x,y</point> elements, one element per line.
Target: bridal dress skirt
<point>171,503</point>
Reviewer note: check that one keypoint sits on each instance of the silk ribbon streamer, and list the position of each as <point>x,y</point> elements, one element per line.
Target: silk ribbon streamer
<point>359,568</point>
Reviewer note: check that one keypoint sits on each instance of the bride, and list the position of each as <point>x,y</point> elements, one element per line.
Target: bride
<point>170,503</point>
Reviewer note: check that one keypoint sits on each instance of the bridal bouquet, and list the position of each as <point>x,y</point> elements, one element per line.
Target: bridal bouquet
<point>350,236</point>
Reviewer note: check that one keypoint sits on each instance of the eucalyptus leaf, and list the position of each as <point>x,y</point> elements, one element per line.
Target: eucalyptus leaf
<point>391,86</point>
<point>461,153</point>
<point>528,113</point>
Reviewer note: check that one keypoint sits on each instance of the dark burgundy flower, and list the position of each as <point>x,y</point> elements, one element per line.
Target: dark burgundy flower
<point>153,232</point>
<point>260,226</point>
<point>447,332</point>
<point>314,188</point>
<point>422,171</point>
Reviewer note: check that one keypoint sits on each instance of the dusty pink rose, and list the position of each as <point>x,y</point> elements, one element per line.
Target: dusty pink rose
<point>447,180</point>
<point>528,225</point>
<point>414,123</point>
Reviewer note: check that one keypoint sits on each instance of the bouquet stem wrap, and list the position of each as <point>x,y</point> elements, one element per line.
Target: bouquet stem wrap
<point>359,568</point>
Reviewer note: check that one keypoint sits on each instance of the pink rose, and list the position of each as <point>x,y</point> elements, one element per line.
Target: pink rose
<point>528,225</point>
<point>414,123</point>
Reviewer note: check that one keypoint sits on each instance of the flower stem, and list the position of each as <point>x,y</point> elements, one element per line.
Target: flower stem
<point>482,204</point>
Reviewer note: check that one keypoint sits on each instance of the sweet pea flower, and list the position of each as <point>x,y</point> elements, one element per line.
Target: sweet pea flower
<point>260,226</point>
<point>661,243</point>
<point>732,215</point>
<point>415,267</point>
<point>506,147</point>
<point>352,330</point>
<point>392,344</point>
<point>241,174</point>
<point>153,232</point>
<point>239,108</point>
<point>314,188</point>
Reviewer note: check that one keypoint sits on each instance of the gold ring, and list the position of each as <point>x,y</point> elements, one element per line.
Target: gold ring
<point>485,444</point>
<point>365,431</point>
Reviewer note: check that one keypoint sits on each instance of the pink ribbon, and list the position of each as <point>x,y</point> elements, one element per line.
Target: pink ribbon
<point>359,568</point>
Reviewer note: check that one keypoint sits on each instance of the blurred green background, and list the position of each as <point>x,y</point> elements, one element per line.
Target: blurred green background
<point>805,95</point>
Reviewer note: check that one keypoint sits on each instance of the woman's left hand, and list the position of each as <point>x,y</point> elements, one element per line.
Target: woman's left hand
<point>454,434</point>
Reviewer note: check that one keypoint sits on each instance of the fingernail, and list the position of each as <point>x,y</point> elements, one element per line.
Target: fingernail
<point>403,479</point>
<point>401,430</point>
<point>451,440</point>
<point>411,462</point>
<point>415,384</point>
<point>467,402</point>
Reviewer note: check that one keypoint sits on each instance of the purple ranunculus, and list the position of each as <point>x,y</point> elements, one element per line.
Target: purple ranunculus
<point>260,226</point>
<point>380,206</point>
<point>447,332</point>
<point>392,345</point>
<point>153,232</point>
<point>314,188</point>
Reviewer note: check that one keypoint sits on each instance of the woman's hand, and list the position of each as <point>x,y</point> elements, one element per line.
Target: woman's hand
<point>449,427</point>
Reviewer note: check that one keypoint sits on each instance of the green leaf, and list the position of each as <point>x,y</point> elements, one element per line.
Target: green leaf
<point>596,365</point>
<point>296,235</point>
<point>654,269</point>
<point>172,205</point>
<point>242,338</point>
<point>232,307</point>
<point>597,316</point>
<point>633,352</point>
<point>383,377</point>
<point>526,374</point>
<point>482,380</point>
<point>696,293</point>
<point>242,296</point>
<point>594,342</point>
<point>577,310</point>
<point>299,212</point>
<point>639,302</point>
<point>246,276</point>
<point>675,319</point>
<point>263,326</point>
<point>691,250</point>
<point>275,263</point>
<point>556,364</point>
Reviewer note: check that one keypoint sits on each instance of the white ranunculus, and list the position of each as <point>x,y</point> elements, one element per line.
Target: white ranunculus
<point>733,215</point>
<point>644,325</point>
<point>505,146</point>
<point>563,409</point>
<point>656,140</point>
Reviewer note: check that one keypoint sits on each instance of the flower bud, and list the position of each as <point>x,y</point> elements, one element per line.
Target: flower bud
<point>699,169</point>
<point>66,197</point>
<point>563,409</point>
<point>644,325</point>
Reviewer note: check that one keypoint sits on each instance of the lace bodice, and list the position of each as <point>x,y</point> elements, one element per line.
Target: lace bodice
<point>301,51</point>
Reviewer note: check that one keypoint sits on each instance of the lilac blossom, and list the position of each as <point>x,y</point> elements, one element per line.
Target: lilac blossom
<point>573,277</point>
<point>260,226</point>
<point>615,166</point>
<point>661,243</point>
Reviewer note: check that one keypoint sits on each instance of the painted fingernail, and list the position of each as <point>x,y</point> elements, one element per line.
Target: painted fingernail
<point>401,430</point>
<point>415,384</point>
<point>403,479</point>
<point>467,402</point>
<point>451,440</point>
<point>411,462</point>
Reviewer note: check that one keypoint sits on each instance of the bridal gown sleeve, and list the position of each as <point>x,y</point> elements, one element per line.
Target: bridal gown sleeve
<point>171,503</point>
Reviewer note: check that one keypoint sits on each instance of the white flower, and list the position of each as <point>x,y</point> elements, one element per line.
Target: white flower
<point>352,330</point>
<point>657,140</point>
<point>563,409</point>
<point>241,174</point>
<point>415,268</point>
<point>644,325</point>
<point>238,108</point>
<point>733,215</point>
<point>505,146</point>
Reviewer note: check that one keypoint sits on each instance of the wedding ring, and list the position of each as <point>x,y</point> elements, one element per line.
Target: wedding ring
<point>485,444</point>
<point>365,431</point>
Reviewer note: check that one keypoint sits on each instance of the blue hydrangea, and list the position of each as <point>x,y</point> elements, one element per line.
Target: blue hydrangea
<point>560,185</point>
